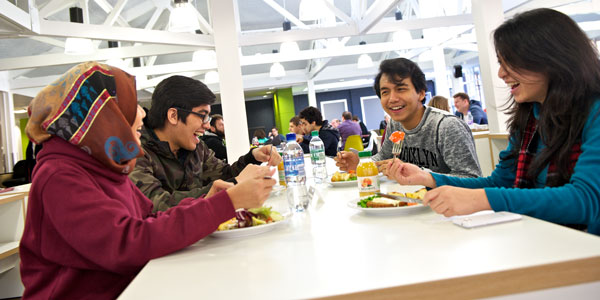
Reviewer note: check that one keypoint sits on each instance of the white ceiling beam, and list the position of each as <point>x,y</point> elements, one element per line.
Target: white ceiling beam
<point>137,11</point>
<point>115,12</point>
<point>108,8</point>
<point>55,6</point>
<point>463,58</point>
<point>100,32</point>
<point>251,38</point>
<point>374,14</point>
<point>204,25</point>
<point>327,52</point>
<point>338,13</point>
<point>49,41</point>
<point>322,63</point>
<point>19,20</point>
<point>37,61</point>
<point>286,14</point>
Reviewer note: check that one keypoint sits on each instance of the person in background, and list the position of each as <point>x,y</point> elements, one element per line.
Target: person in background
<point>89,230</point>
<point>464,105</point>
<point>335,123</point>
<point>549,170</point>
<point>261,136</point>
<point>384,123</point>
<point>440,102</point>
<point>276,138</point>
<point>176,163</point>
<point>434,139</point>
<point>362,125</point>
<point>348,127</point>
<point>295,126</point>
<point>311,119</point>
<point>214,137</point>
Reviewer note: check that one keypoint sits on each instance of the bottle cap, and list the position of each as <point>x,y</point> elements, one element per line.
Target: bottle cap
<point>364,154</point>
<point>314,133</point>
<point>290,137</point>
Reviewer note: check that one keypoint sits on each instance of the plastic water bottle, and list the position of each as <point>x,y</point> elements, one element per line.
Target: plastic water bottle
<point>295,177</point>
<point>317,157</point>
<point>469,119</point>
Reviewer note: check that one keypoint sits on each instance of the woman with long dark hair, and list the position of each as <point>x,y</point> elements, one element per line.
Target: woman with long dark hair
<point>549,170</point>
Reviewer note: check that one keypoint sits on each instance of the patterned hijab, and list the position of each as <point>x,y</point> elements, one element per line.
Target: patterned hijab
<point>93,107</point>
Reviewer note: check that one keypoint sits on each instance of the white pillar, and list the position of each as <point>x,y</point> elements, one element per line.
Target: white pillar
<point>487,15</point>
<point>440,72</point>
<point>312,94</point>
<point>224,14</point>
<point>8,124</point>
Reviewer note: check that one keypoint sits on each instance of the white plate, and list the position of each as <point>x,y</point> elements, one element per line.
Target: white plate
<point>400,210</point>
<point>248,231</point>
<point>349,183</point>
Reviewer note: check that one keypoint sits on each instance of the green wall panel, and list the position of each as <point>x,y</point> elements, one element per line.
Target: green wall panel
<point>283,107</point>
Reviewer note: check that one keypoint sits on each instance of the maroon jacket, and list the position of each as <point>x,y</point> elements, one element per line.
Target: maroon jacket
<point>89,230</point>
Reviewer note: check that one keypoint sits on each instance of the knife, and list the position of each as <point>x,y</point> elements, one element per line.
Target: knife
<point>400,198</point>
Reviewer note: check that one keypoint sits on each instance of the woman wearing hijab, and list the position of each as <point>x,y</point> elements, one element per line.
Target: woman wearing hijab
<point>89,230</point>
<point>550,168</point>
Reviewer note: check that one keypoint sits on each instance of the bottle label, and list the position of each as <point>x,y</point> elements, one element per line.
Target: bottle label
<point>317,155</point>
<point>294,167</point>
<point>281,177</point>
<point>368,184</point>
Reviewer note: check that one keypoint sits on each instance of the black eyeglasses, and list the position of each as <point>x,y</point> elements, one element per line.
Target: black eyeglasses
<point>205,117</point>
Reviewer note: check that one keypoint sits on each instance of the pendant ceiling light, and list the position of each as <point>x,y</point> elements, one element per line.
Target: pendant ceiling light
<point>211,77</point>
<point>183,17</point>
<point>277,70</point>
<point>364,60</point>
<point>78,46</point>
<point>205,58</point>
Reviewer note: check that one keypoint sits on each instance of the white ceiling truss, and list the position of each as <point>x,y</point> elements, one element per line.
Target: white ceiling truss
<point>140,26</point>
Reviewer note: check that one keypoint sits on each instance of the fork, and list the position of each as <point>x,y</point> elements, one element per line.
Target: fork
<point>397,148</point>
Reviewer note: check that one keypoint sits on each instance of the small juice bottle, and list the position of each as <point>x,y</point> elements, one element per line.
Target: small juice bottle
<point>366,173</point>
<point>281,171</point>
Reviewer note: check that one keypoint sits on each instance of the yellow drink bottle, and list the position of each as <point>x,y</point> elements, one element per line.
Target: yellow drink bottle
<point>281,171</point>
<point>366,173</point>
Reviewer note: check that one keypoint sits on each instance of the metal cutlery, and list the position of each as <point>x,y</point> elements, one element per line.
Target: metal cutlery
<point>400,198</point>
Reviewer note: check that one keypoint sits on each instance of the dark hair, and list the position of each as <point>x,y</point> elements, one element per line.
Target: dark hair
<point>347,115</point>
<point>311,114</point>
<point>260,133</point>
<point>399,68</point>
<point>548,42</point>
<point>177,91</point>
<point>295,120</point>
<point>440,102</point>
<point>355,118</point>
<point>214,119</point>
<point>464,96</point>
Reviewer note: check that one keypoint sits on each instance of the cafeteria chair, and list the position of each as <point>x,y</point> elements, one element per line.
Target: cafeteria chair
<point>354,141</point>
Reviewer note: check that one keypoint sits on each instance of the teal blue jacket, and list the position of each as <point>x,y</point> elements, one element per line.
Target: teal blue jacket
<point>577,202</point>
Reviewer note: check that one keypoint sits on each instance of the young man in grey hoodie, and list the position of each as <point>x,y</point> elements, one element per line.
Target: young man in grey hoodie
<point>434,139</point>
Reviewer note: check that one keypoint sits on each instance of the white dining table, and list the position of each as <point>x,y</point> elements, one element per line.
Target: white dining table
<point>336,251</point>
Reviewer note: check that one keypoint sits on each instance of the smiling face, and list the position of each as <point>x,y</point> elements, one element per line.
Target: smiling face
<point>187,135</point>
<point>525,86</point>
<point>462,105</point>
<point>138,123</point>
<point>401,101</point>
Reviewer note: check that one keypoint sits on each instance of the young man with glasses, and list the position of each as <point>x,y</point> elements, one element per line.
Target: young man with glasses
<point>176,163</point>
